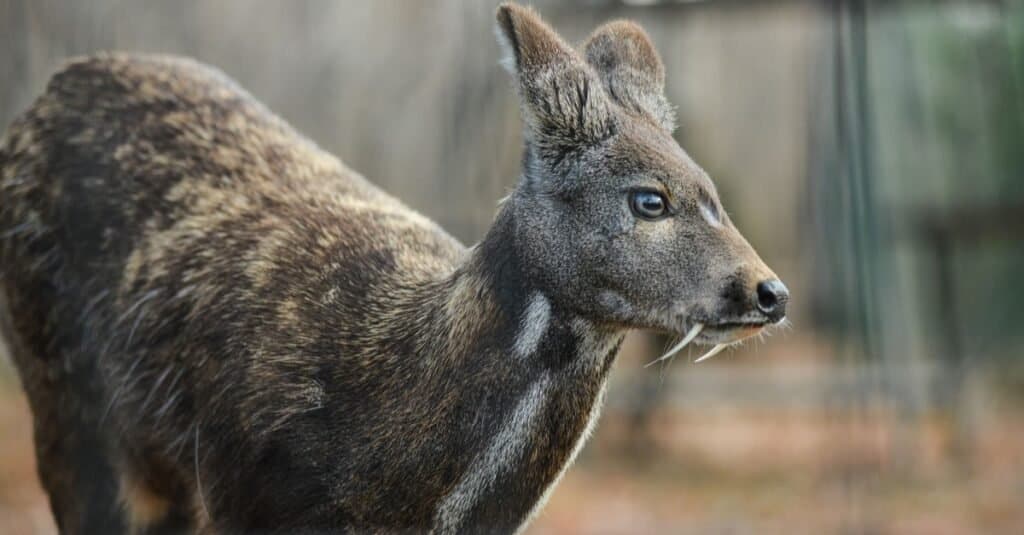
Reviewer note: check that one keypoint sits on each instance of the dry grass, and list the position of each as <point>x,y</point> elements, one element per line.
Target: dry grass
<point>23,506</point>
<point>751,472</point>
<point>727,471</point>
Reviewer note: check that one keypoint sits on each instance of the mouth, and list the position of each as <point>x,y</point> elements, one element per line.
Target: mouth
<point>720,335</point>
<point>730,325</point>
<point>729,332</point>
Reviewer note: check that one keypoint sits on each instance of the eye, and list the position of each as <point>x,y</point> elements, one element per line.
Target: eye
<point>649,205</point>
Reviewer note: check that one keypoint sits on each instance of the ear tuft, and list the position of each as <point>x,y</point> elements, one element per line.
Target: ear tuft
<point>632,72</point>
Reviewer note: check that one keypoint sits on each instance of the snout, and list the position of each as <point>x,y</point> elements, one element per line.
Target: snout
<point>748,296</point>
<point>748,304</point>
<point>772,297</point>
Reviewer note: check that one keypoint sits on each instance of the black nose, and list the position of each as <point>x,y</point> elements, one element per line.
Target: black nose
<point>772,296</point>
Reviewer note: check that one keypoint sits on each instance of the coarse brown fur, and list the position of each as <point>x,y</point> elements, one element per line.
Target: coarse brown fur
<point>221,328</point>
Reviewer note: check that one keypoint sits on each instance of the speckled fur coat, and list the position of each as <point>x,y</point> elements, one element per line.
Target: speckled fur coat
<point>221,328</point>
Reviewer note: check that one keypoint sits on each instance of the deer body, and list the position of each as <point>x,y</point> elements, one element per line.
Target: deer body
<point>221,328</point>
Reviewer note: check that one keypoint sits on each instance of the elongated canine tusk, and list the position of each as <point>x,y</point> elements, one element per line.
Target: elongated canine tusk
<point>694,331</point>
<point>714,351</point>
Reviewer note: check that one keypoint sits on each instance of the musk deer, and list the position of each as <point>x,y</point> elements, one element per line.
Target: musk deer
<point>220,328</point>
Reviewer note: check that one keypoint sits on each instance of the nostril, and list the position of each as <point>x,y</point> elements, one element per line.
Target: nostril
<point>771,298</point>
<point>766,300</point>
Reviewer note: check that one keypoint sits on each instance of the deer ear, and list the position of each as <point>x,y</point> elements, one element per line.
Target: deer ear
<point>630,69</point>
<point>563,103</point>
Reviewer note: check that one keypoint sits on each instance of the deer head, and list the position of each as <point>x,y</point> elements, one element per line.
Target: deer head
<point>613,219</point>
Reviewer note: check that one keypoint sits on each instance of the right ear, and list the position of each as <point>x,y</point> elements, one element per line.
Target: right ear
<point>563,102</point>
<point>629,66</point>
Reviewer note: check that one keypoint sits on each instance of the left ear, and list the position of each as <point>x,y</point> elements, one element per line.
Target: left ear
<point>630,70</point>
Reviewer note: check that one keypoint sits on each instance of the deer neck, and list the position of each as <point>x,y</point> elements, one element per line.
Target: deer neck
<point>532,374</point>
<point>490,310</point>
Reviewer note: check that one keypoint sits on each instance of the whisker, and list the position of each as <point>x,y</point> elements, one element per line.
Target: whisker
<point>694,331</point>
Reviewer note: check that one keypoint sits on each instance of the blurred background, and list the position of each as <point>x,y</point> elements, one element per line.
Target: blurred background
<point>872,151</point>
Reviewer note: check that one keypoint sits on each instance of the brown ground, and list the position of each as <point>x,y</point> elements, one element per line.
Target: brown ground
<point>726,471</point>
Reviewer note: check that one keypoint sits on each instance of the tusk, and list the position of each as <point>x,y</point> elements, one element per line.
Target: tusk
<point>714,351</point>
<point>694,331</point>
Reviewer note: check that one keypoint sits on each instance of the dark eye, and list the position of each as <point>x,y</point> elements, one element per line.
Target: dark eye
<point>648,205</point>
